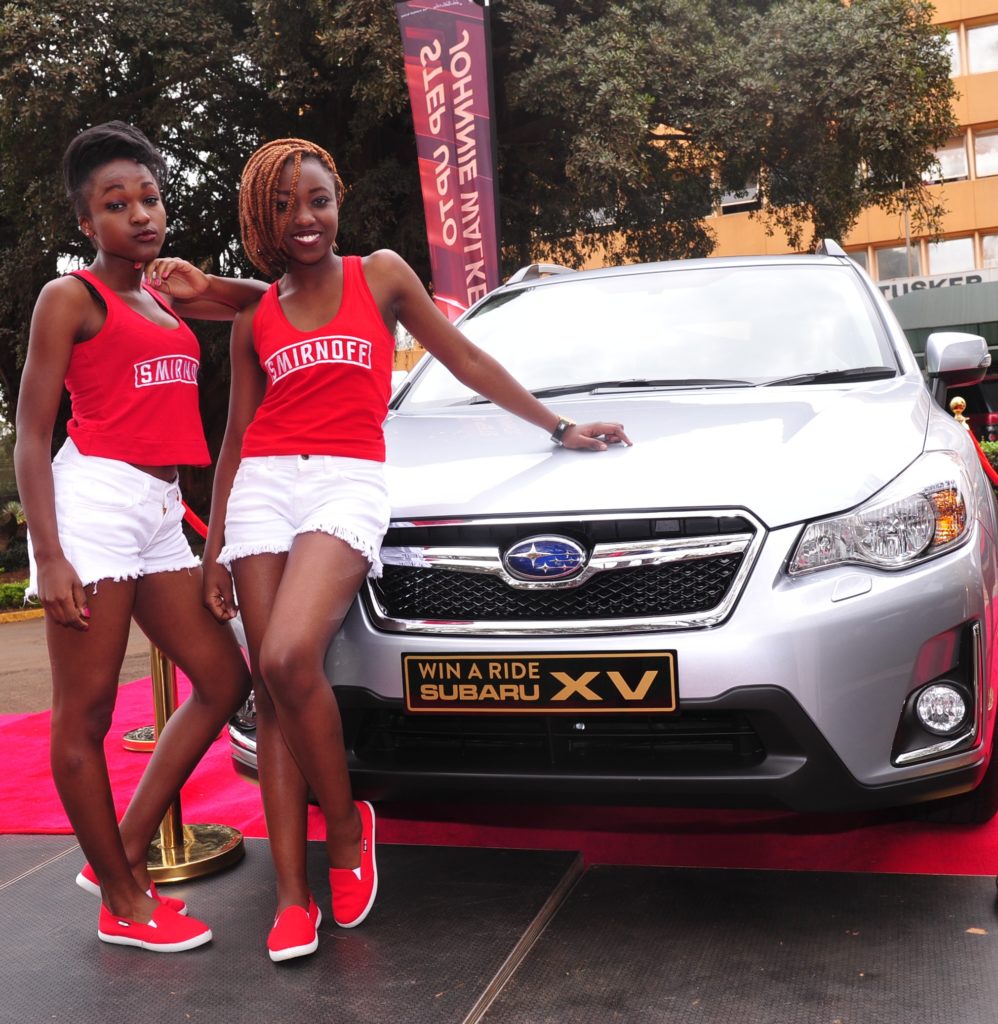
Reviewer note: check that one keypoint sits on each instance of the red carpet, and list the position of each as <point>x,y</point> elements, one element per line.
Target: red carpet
<point>618,835</point>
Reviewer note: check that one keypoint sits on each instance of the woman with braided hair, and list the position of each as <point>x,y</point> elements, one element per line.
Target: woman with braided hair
<point>299,487</point>
<point>105,516</point>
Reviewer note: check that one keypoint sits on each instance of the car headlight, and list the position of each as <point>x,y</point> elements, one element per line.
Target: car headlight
<point>928,509</point>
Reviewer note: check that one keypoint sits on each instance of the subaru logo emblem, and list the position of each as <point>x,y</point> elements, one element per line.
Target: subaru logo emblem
<point>544,558</point>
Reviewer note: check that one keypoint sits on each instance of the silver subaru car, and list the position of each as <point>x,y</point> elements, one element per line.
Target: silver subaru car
<point>782,594</point>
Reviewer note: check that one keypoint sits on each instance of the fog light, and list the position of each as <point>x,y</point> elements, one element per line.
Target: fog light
<point>941,709</point>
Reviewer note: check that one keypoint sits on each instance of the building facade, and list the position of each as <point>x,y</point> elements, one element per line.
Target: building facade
<point>966,251</point>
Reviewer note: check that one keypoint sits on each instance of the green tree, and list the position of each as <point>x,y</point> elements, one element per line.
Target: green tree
<point>165,66</point>
<point>645,111</point>
<point>842,106</point>
<point>591,155</point>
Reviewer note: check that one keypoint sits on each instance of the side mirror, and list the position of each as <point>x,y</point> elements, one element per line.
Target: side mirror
<point>954,359</point>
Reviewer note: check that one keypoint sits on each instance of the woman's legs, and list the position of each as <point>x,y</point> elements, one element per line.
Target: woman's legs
<point>85,669</point>
<point>282,785</point>
<point>168,608</point>
<point>320,580</point>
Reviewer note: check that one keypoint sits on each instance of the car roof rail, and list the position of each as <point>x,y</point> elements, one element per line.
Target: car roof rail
<point>536,270</point>
<point>829,247</point>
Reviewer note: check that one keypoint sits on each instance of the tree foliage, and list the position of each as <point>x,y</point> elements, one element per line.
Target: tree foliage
<point>164,66</point>
<point>843,113</point>
<point>619,123</point>
<point>645,111</point>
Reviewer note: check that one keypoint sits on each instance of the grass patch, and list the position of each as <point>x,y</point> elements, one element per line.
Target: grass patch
<point>12,595</point>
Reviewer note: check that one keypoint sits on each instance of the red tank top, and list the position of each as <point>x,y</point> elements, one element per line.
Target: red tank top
<point>327,389</point>
<point>133,388</point>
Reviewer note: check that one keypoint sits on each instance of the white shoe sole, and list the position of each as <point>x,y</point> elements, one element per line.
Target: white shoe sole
<point>86,885</point>
<point>374,867</point>
<point>294,951</point>
<point>156,947</point>
<point>277,955</point>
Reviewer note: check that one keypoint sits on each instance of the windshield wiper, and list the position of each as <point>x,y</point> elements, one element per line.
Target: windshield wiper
<point>835,376</point>
<point>630,384</point>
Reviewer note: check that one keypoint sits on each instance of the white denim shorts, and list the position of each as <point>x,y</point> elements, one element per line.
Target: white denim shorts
<point>115,521</point>
<point>275,498</point>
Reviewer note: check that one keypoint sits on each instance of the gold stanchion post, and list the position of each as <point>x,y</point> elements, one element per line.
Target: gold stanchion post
<point>184,851</point>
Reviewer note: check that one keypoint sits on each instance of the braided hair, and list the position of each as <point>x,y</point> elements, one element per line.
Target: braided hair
<point>261,224</point>
<point>94,147</point>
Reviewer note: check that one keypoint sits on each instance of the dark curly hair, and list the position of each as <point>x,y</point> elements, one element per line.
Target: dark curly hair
<point>99,145</point>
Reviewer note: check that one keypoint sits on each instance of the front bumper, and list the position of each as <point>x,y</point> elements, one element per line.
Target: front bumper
<point>797,699</point>
<point>772,755</point>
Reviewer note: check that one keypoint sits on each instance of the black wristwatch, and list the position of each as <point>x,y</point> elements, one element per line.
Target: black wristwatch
<point>559,431</point>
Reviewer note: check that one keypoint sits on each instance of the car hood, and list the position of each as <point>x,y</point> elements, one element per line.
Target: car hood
<point>786,454</point>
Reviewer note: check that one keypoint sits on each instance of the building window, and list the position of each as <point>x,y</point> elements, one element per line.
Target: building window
<point>742,200</point>
<point>986,152</point>
<point>989,250</point>
<point>951,162</point>
<point>982,49</point>
<point>951,255</point>
<point>894,262</point>
<point>859,257</point>
<point>953,42</point>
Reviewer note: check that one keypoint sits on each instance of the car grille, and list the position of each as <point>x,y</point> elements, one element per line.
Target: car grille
<point>691,742</point>
<point>641,572</point>
<point>678,589</point>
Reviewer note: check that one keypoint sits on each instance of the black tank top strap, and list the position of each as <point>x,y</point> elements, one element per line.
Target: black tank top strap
<point>162,301</point>
<point>105,295</point>
<point>88,283</point>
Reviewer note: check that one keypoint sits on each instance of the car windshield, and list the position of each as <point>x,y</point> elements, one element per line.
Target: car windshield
<point>702,327</point>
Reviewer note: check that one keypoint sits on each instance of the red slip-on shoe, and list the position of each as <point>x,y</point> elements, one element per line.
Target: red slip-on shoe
<point>176,905</point>
<point>353,889</point>
<point>166,932</point>
<point>295,932</point>
<point>314,913</point>
<point>87,881</point>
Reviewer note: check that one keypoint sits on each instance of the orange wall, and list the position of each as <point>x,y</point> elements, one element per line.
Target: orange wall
<point>948,11</point>
<point>740,234</point>
<point>978,99</point>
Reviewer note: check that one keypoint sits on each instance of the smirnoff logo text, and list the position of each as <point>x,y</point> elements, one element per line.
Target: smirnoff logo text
<point>303,354</point>
<point>166,370</point>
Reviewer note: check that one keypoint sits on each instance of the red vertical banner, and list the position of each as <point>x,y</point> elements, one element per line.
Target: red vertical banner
<point>447,69</point>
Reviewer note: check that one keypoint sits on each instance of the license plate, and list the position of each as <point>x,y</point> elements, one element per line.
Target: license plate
<point>589,683</point>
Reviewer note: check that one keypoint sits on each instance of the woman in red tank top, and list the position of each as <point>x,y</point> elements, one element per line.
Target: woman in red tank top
<point>103,551</point>
<point>295,591</point>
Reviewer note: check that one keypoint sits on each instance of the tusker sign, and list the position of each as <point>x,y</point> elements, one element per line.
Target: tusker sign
<point>447,71</point>
<point>899,286</point>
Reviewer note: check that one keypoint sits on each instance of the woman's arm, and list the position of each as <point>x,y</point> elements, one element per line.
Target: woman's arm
<point>246,392</point>
<point>57,322</point>
<point>199,296</point>
<point>410,305</point>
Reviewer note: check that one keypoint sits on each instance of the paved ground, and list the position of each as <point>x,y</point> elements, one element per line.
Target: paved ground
<point>24,668</point>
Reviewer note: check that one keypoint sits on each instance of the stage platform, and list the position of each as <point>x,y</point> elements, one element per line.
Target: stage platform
<point>515,937</point>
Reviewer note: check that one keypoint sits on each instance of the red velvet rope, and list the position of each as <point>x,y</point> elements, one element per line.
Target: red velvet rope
<point>194,521</point>
<point>988,468</point>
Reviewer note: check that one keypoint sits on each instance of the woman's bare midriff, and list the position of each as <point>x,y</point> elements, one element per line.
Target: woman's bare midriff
<point>165,473</point>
